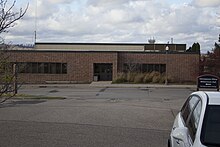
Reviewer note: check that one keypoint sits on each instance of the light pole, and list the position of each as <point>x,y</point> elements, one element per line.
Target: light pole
<point>166,78</point>
<point>15,74</point>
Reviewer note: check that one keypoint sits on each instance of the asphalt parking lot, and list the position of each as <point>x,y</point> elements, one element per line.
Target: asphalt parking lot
<point>91,117</point>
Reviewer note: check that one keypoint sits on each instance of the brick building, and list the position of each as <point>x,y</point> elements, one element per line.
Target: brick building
<point>86,62</point>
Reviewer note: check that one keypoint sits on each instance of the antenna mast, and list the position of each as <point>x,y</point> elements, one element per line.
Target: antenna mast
<point>35,32</point>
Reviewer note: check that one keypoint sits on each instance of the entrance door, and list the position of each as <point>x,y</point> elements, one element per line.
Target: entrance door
<point>103,71</point>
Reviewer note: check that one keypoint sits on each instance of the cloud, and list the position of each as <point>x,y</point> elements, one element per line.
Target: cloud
<point>120,21</point>
<point>109,2</point>
<point>207,3</point>
<point>60,1</point>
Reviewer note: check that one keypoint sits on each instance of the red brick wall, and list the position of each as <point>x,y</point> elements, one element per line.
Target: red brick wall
<point>181,67</point>
<point>79,65</point>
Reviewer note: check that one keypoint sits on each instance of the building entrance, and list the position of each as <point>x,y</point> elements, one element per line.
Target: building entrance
<point>102,71</point>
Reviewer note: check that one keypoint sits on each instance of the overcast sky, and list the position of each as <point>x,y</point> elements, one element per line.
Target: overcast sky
<point>136,21</point>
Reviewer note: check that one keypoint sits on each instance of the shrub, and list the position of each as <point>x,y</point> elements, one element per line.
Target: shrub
<point>152,77</point>
<point>118,81</point>
<point>139,78</point>
<point>163,78</point>
<point>155,73</point>
<point>147,78</point>
<point>131,76</point>
<point>121,78</point>
<point>156,79</point>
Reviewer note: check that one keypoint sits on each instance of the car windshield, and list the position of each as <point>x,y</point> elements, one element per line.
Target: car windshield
<point>210,134</point>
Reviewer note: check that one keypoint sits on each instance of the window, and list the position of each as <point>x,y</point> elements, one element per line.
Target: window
<point>162,68</point>
<point>188,107</point>
<point>132,67</point>
<point>46,68</point>
<point>42,68</point>
<point>34,68</point>
<point>29,68</point>
<point>150,68</point>
<point>64,68</point>
<point>194,120</point>
<point>58,68</point>
<point>22,67</point>
<point>53,68</point>
<point>210,135</point>
<point>197,113</point>
<point>191,113</point>
<point>157,67</point>
<point>185,111</point>
<point>143,68</point>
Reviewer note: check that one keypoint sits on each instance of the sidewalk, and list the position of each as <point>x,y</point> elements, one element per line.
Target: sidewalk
<point>107,84</point>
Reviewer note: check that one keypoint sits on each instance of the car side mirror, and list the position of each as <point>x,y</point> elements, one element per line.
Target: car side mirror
<point>181,133</point>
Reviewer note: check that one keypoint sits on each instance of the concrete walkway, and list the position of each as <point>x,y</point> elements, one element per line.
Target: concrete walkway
<point>109,84</point>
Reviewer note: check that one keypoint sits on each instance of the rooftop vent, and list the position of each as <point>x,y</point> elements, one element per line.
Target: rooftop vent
<point>152,41</point>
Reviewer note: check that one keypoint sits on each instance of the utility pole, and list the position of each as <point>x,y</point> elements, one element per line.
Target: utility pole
<point>166,78</point>
<point>36,17</point>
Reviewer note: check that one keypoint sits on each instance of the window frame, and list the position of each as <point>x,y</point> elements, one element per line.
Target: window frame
<point>43,67</point>
<point>187,121</point>
<point>144,67</point>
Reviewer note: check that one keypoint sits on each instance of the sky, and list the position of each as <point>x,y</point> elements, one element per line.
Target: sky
<point>118,21</point>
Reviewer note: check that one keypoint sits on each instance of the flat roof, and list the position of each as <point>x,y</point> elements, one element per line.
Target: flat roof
<point>100,43</point>
<point>138,47</point>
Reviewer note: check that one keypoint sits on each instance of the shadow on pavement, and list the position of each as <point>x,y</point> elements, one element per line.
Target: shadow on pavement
<point>14,103</point>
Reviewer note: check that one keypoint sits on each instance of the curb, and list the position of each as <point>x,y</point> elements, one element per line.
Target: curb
<point>109,85</point>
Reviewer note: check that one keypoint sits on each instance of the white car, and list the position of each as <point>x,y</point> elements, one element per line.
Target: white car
<point>198,122</point>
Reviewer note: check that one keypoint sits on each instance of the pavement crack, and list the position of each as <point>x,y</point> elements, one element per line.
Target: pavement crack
<point>101,90</point>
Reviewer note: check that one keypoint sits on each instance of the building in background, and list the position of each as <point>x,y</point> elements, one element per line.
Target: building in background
<point>87,62</point>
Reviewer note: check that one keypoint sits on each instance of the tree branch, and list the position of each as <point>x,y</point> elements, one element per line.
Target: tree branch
<point>8,17</point>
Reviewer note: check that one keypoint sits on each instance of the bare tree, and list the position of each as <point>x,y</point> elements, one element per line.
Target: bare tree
<point>8,17</point>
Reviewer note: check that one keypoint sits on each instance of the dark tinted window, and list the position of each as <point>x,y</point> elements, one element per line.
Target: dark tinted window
<point>46,68</point>
<point>193,121</point>
<point>34,68</point>
<point>191,113</point>
<point>64,68</point>
<point>210,134</point>
<point>42,68</point>
<point>144,68</point>
<point>58,68</point>
<point>132,67</point>
<point>53,68</point>
<point>188,106</point>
